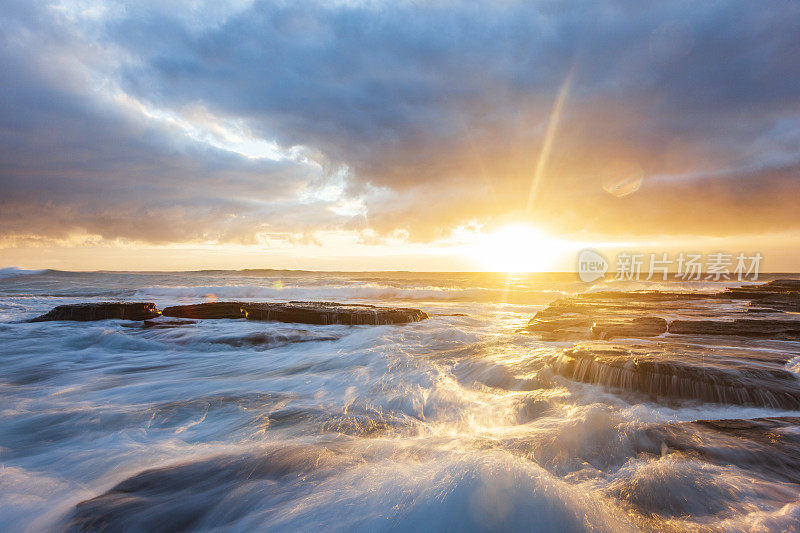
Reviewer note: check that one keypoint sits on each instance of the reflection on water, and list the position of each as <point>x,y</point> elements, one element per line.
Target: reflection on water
<point>460,422</point>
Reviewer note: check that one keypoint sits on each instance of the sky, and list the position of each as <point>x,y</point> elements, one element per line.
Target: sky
<point>395,135</point>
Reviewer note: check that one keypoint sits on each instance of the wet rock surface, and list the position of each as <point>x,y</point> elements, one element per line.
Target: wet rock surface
<point>608,314</point>
<point>318,313</point>
<point>179,497</point>
<point>743,327</point>
<point>265,340</point>
<point>208,310</point>
<point>87,312</point>
<point>776,303</point>
<point>769,447</point>
<point>667,374</point>
<point>774,296</point>
<point>638,327</point>
<point>167,323</point>
<point>675,347</point>
<point>331,313</point>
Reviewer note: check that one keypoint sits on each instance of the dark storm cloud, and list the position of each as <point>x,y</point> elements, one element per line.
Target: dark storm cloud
<point>75,160</point>
<point>437,109</point>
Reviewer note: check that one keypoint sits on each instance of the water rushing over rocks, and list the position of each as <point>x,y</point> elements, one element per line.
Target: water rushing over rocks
<point>521,402</point>
<point>668,373</point>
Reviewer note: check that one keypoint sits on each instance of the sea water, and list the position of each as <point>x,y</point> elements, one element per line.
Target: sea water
<point>454,423</point>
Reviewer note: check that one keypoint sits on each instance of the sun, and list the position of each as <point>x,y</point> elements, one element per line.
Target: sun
<point>517,248</point>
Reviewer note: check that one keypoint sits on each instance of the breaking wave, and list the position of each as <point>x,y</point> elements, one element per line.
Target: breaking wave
<point>14,271</point>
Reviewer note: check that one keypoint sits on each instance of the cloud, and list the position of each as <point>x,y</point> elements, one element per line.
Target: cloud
<point>77,155</point>
<point>118,119</point>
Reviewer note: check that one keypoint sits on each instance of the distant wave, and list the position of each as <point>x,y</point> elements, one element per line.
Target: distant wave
<point>349,292</point>
<point>14,271</point>
<point>698,286</point>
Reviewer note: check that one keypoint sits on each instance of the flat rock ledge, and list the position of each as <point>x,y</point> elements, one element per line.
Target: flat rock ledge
<point>206,310</point>
<point>649,326</point>
<point>775,296</point>
<point>323,313</point>
<point>617,314</point>
<point>319,313</point>
<point>742,327</point>
<point>101,311</point>
<point>669,377</point>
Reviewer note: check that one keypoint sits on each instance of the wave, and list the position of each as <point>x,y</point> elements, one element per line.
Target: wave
<point>699,286</point>
<point>346,293</point>
<point>14,271</point>
<point>300,488</point>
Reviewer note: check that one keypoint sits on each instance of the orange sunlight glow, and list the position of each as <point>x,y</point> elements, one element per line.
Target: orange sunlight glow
<point>518,248</point>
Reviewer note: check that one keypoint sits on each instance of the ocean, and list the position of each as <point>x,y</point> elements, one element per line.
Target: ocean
<point>461,422</point>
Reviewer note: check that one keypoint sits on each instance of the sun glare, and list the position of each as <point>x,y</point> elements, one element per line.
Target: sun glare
<point>518,248</point>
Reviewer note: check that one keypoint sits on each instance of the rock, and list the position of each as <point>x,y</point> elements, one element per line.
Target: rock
<point>301,312</point>
<point>610,314</point>
<point>778,285</point>
<point>638,327</point>
<point>768,447</point>
<point>786,291</point>
<point>678,366</point>
<point>331,313</point>
<point>742,327</point>
<point>570,328</point>
<point>645,296</point>
<point>761,429</point>
<point>576,319</point>
<point>267,340</point>
<point>781,285</point>
<point>667,373</point>
<point>206,310</point>
<point>788,302</point>
<point>198,494</point>
<point>101,311</point>
<point>167,324</point>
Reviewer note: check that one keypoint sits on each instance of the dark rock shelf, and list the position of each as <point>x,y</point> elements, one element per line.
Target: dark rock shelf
<point>760,311</point>
<point>667,374</point>
<point>638,327</point>
<point>766,328</point>
<point>331,313</point>
<point>319,313</point>
<point>205,310</point>
<point>727,347</point>
<point>101,311</point>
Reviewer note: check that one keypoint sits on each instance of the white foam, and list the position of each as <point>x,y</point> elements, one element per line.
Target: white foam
<point>793,366</point>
